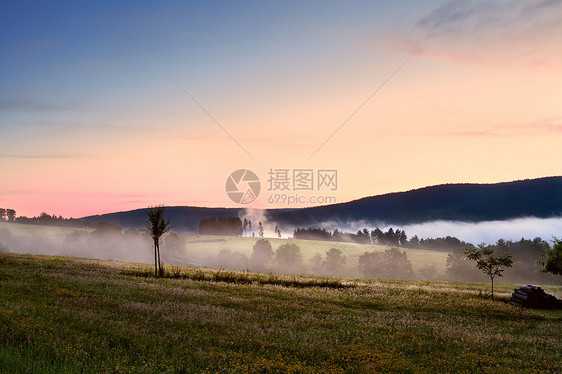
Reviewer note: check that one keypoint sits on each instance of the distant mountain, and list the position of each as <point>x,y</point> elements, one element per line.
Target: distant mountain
<point>452,202</point>
<point>183,218</point>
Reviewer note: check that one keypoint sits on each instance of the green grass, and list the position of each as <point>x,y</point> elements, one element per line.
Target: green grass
<point>72,315</point>
<point>238,277</point>
<point>201,247</point>
<point>204,245</point>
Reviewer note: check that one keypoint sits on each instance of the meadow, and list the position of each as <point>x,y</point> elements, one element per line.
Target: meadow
<point>199,250</point>
<point>72,315</point>
<point>203,246</point>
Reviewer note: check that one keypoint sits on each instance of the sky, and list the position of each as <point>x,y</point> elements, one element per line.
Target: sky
<point>110,106</point>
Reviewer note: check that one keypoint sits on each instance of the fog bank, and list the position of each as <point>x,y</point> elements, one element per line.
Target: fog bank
<point>489,231</point>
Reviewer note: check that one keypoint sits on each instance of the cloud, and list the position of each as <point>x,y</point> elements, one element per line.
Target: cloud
<point>548,126</point>
<point>27,105</point>
<point>490,32</point>
<point>47,155</point>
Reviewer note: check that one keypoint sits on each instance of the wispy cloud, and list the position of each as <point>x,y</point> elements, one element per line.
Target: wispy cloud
<point>47,155</point>
<point>548,126</point>
<point>490,32</point>
<point>18,104</point>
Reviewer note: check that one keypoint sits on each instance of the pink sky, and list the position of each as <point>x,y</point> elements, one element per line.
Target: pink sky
<point>105,129</point>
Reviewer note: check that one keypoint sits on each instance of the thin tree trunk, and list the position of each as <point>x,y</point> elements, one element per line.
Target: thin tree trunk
<point>159,260</point>
<point>155,261</point>
<point>492,288</point>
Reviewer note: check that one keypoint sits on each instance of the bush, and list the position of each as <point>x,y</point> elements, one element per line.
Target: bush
<point>390,264</point>
<point>288,258</point>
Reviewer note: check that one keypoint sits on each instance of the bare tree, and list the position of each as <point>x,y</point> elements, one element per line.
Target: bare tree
<point>157,226</point>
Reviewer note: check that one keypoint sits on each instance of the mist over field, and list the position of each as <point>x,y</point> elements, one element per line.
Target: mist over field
<point>489,232</point>
<point>109,242</point>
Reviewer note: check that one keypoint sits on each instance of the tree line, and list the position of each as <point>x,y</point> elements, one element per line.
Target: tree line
<point>221,226</point>
<point>391,237</point>
<point>468,264</point>
<point>232,226</point>
<point>528,258</point>
<point>288,259</point>
<point>103,240</point>
<point>7,215</point>
<point>44,218</point>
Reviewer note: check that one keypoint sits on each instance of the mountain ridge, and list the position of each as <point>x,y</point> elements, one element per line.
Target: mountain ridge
<point>469,202</point>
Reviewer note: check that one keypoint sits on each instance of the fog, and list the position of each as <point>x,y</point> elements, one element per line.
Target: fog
<point>489,232</point>
<point>257,216</point>
<point>111,243</point>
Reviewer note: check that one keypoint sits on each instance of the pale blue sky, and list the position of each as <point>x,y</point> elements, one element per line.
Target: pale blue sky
<point>82,96</point>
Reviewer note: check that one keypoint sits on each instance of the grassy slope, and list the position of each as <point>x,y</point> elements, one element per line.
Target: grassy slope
<point>71,315</point>
<point>203,245</point>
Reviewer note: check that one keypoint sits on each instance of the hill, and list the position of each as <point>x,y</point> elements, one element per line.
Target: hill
<point>60,314</point>
<point>451,202</point>
<point>184,218</point>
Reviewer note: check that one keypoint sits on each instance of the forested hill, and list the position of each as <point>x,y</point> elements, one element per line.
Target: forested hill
<point>183,218</point>
<point>460,202</point>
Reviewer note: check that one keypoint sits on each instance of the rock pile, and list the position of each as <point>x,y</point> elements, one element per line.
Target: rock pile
<point>534,297</point>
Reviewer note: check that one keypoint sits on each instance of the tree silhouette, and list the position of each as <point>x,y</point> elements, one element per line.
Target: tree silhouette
<point>553,262</point>
<point>334,261</point>
<point>174,244</point>
<point>262,254</point>
<point>459,266</point>
<point>2,214</point>
<point>157,226</point>
<point>317,264</point>
<point>390,264</point>
<point>486,261</point>
<point>221,226</point>
<point>11,215</point>
<point>371,264</point>
<point>289,258</point>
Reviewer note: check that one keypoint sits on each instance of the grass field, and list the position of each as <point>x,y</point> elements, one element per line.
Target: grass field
<point>204,245</point>
<point>72,315</point>
<point>198,248</point>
